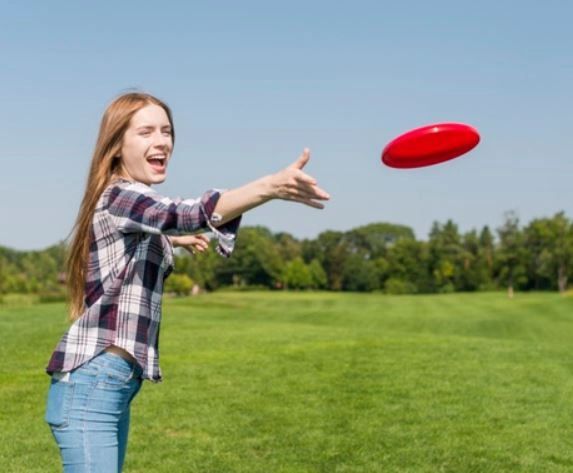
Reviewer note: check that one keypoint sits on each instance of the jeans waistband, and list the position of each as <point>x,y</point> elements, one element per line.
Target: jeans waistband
<point>114,358</point>
<point>106,358</point>
<point>115,355</point>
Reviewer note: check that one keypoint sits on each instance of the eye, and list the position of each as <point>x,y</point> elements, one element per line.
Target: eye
<point>145,133</point>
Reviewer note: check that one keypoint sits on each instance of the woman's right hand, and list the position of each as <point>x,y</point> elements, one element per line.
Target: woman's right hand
<point>295,185</point>
<point>289,184</point>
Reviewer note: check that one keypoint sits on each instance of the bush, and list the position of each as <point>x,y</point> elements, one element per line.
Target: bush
<point>19,299</point>
<point>488,287</point>
<point>447,288</point>
<point>399,286</point>
<point>244,288</point>
<point>179,284</point>
<point>52,297</point>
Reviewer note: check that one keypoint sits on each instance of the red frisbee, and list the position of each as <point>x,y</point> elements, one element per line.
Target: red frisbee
<point>431,144</point>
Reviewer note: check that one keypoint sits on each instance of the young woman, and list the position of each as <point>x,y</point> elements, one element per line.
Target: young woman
<point>120,255</point>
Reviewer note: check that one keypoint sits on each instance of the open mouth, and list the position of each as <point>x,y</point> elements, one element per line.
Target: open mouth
<point>158,162</point>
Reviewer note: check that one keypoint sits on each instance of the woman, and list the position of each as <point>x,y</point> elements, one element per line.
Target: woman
<point>120,255</point>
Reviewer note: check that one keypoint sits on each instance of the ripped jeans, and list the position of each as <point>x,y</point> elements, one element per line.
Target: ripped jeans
<point>88,413</point>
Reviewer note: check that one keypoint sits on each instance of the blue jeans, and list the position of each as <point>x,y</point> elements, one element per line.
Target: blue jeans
<point>88,413</point>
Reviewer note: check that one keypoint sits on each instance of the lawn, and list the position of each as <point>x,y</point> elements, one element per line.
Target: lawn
<point>324,382</point>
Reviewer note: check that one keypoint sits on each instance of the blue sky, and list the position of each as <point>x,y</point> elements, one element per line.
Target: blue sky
<point>252,83</point>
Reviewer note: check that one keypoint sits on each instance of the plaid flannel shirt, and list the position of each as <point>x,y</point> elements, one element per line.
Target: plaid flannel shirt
<point>129,259</point>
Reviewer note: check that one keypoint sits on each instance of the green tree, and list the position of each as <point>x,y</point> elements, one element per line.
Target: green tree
<point>287,246</point>
<point>373,240</point>
<point>536,239</point>
<point>318,277</point>
<point>409,268</point>
<point>2,275</point>
<point>297,275</point>
<point>331,250</point>
<point>446,256</point>
<point>202,268</point>
<point>359,274</point>
<point>487,253</point>
<point>255,260</point>
<point>475,273</point>
<point>551,242</point>
<point>512,254</point>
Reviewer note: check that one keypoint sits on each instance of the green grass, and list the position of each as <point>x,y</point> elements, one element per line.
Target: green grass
<point>277,382</point>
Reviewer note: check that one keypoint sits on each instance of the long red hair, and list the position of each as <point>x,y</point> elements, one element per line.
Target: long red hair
<point>105,165</point>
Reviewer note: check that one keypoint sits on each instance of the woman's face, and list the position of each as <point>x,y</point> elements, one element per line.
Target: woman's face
<point>147,145</point>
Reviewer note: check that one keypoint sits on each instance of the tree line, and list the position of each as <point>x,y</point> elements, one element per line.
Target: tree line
<point>382,257</point>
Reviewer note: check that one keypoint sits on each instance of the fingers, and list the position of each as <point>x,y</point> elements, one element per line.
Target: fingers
<point>311,193</point>
<point>314,192</point>
<point>302,159</point>
<point>202,237</point>
<point>200,246</point>
<point>196,243</point>
<point>308,190</point>
<point>304,178</point>
<point>308,196</point>
<point>309,202</point>
<point>297,186</point>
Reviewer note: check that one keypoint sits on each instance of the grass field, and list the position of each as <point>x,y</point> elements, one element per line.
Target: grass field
<point>278,382</point>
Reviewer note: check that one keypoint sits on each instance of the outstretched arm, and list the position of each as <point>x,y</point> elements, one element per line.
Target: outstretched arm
<point>289,184</point>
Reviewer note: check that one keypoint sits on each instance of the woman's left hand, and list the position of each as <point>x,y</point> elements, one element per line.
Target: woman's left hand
<point>192,243</point>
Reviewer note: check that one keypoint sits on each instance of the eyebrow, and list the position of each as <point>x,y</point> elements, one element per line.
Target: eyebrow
<point>151,127</point>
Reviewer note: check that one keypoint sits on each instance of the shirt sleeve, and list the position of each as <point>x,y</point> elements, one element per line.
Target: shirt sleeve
<point>136,208</point>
